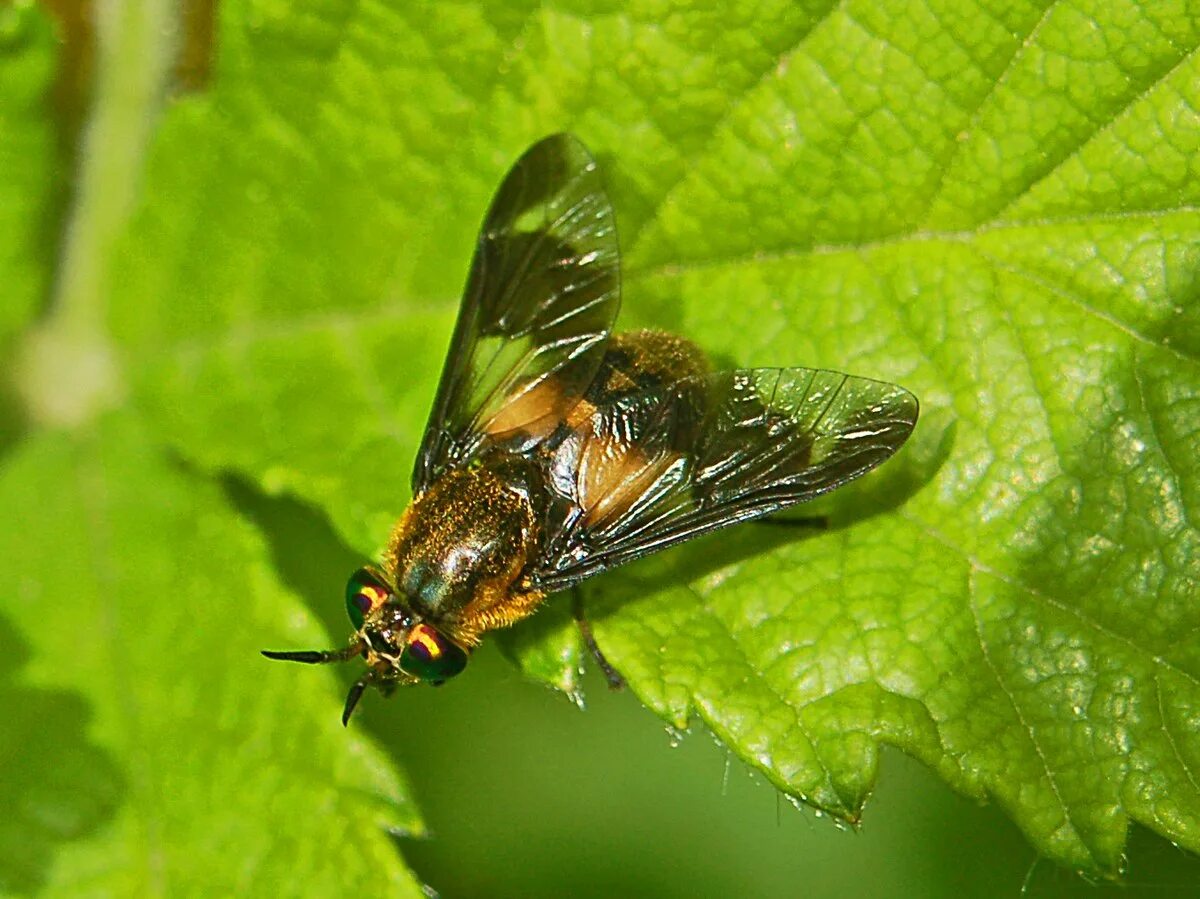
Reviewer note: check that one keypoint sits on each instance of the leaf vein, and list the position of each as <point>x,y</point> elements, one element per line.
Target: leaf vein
<point>787,254</point>
<point>1048,600</point>
<point>723,118</point>
<point>957,147</point>
<point>1025,725</point>
<point>1162,715</point>
<point>1172,470</point>
<point>762,679</point>
<point>1052,164</point>
<point>1078,300</point>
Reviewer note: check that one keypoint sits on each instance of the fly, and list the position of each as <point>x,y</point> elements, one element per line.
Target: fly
<point>556,449</point>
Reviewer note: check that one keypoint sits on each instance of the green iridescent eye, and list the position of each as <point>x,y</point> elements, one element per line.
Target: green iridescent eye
<point>430,656</point>
<point>364,594</point>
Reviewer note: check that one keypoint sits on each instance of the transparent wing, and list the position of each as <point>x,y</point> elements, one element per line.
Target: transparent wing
<point>543,291</point>
<point>657,468</point>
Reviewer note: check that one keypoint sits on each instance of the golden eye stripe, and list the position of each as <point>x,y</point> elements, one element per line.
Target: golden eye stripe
<point>428,639</point>
<point>364,595</point>
<point>376,594</point>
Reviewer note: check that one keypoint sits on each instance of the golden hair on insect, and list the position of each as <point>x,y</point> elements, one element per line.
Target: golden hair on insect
<point>556,449</point>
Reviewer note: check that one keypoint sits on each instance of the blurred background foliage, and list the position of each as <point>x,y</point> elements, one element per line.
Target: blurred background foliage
<point>521,794</point>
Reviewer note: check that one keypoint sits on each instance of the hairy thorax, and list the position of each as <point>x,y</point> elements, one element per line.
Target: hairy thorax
<point>460,547</point>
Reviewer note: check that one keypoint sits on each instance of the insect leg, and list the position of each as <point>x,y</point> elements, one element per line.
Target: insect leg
<point>615,681</point>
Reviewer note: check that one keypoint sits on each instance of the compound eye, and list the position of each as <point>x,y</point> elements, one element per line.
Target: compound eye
<point>431,656</point>
<point>365,593</point>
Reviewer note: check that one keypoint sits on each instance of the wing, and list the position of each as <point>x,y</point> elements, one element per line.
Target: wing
<point>541,297</point>
<point>657,468</point>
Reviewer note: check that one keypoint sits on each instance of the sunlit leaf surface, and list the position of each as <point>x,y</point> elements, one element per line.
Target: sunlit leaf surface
<point>995,206</point>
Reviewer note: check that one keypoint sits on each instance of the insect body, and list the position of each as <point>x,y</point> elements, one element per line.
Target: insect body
<point>556,450</point>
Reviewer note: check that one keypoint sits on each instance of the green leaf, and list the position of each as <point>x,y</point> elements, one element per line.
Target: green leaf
<point>28,162</point>
<point>148,749</point>
<point>994,206</point>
